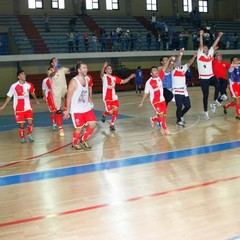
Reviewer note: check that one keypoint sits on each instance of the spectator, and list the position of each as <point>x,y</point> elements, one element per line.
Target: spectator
<point>94,42</point>
<point>86,42</point>
<point>139,40</point>
<point>46,21</point>
<point>70,38</point>
<point>149,39</point>
<point>77,40</point>
<point>235,41</point>
<point>83,7</point>
<point>72,23</point>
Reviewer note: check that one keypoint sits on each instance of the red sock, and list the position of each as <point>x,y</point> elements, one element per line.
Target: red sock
<point>231,104</point>
<point>106,114</point>
<point>163,122</point>
<point>53,119</point>
<point>154,119</point>
<point>114,117</point>
<point>76,137</point>
<point>87,134</point>
<point>237,109</point>
<point>21,133</point>
<point>59,120</point>
<point>29,129</point>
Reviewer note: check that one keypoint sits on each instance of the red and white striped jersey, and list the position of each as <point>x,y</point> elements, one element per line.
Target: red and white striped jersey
<point>179,79</point>
<point>154,86</point>
<point>20,93</point>
<point>204,63</point>
<point>47,86</point>
<point>109,82</point>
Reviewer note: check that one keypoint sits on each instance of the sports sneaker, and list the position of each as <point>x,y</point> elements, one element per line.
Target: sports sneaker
<point>77,147</point>
<point>213,107</point>
<point>224,109</point>
<point>103,118</point>
<point>152,122</point>
<point>30,138</point>
<point>224,97</point>
<point>183,121</point>
<point>23,140</point>
<point>61,132</point>
<point>180,124</point>
<point>84,145</point>
<point>112,128</point>
<point>206,116</point>
<point>166,132</point>
<point>217,103</point>
<point>237,117</point>
<point>55,128</point>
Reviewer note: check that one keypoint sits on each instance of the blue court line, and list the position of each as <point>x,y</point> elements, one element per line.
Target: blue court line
<point>82,169</point>
<point>41,119</point>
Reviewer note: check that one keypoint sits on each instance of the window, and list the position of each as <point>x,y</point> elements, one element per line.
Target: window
<point>33,4</point>
<point>112,4</point>
<point>187,5</point>
<point>151,5</point>
<point>92,4</point>
<point>58,4</point>
<point>203,5</point>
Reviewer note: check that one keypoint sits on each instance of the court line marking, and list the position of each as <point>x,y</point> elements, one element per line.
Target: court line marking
<point>123,201</point>
<point>4,165</point>
<point>118,163</point>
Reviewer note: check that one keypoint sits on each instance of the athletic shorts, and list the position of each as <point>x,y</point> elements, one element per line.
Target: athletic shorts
<point>235,89</point>
<point>50,103</point>
<point>160,107</point>
<point>81,119</point>
<point>109,105</point>
<point>21,116</point>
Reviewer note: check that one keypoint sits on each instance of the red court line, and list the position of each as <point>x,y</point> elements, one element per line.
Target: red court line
<point>27,220</point>
<point>37,156</point>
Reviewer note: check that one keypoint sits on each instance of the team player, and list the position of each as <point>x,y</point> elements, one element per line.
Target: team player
<point>79,105</point>
<point>205,70</point>
<point>154,87</point>
<point>139,78</point>
<point>180,92</point>
<point>110,97</point>
<point>235,86</point>
<point>20,91</point>
<point>57,74</point>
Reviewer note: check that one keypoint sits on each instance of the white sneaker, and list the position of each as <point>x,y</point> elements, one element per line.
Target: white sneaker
<point>183,121</point>
<point>213,107</point>
<point>218,104</point>
<point>224,97</point>
<point>206,116</point>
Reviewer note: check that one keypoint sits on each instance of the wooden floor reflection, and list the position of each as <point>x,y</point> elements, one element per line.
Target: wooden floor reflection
<point>135,183</point>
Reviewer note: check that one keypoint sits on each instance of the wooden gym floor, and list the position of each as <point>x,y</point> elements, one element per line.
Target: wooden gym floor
<point>135,183</point>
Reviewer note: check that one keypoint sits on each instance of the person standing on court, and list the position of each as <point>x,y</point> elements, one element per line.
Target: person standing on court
<point>59,88</point>
<point>21,91</point>
<point>139,78</point>
<point>206,76</point>
<point>79,105</point>
<point>154,87</point>
<point>110,97</point>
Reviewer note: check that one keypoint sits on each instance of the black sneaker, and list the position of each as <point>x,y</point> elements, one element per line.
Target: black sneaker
<point>103,118</point>
<point>112,128</point>
<point>77,147</point>
<point>85,145</point>
<point>224,109</point>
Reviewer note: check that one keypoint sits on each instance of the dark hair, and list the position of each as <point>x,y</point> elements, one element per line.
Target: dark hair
<point>109,65</point>
<point>19,71</point>
<point>139,67</point>
<point>161,58</point>
<point>152,68</point>
<point>231,59</point>
<point>51,60</point>
<point>79,63</point>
